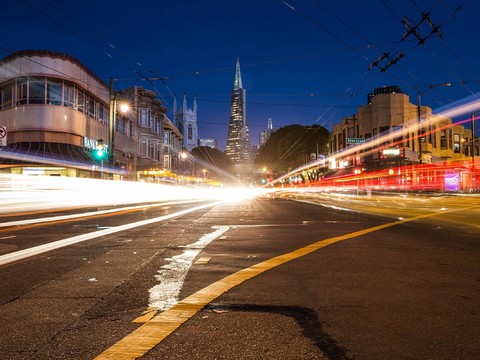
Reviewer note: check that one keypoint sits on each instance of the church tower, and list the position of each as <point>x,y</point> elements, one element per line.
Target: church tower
<point>238,141</point>
<point>186,122</point>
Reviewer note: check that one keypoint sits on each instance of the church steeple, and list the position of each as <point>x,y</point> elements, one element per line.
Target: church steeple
<point>186,122</point>
<point>238,77</point>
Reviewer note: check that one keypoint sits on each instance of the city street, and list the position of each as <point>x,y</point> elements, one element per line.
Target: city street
<point>325,276</point>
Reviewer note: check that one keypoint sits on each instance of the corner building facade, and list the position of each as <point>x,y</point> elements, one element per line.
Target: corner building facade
<point>56,111</point>
<point>390,121</point>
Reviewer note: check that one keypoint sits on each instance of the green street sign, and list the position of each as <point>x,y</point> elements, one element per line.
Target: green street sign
<point>355,140</point>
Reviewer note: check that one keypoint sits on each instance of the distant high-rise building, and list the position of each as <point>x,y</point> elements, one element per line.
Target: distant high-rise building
<point>209,142</point>
<point>238,141</point>
<point>186,122</point>
<point>265,134</point>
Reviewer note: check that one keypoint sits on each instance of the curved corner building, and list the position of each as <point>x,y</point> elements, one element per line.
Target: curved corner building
<point>53,112</point>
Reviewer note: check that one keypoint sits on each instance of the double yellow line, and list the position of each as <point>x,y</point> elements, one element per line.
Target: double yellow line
<point>150,334</point>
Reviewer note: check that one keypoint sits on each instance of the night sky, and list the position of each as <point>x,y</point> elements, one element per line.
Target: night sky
<point>303,62</point>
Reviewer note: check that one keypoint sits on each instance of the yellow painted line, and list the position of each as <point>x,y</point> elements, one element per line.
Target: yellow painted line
<point>146,316</point>
<point>203,261</point>
<point>151,333</point>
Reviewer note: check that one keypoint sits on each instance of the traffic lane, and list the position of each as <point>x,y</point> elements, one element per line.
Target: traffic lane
<point>50,296</point>
<point>281,229</point>
<point>20,237</point>
<point>18,278</point>
<point>389,294</point>
<point>113,325</point>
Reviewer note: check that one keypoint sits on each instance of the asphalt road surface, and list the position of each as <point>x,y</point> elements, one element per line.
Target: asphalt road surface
<point>322,277</point>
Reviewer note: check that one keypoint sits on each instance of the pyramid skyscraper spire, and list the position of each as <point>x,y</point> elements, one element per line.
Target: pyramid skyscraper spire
<point>238,77</point>
<point>238,141</point>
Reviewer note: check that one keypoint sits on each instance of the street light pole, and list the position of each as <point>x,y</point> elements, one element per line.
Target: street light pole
<point>111,125</point>
<point>355,134</point>
<point>420,128</point>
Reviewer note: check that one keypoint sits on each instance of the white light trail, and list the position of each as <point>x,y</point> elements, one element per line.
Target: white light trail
<point>23,254</point>
<point>21,193</point>
<point>89,214</point>
<point>468,106</point>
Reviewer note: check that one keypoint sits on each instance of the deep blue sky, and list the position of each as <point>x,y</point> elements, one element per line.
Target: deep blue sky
<point>304,65</point>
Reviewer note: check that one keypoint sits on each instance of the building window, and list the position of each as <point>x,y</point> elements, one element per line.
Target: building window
<point>143,147</point>
<point>68,95</point>
<point>130,129</point>
<point>80,100</point>
<point>443,139</point>
<point>101,112</point>
<point>384,129</point>
<point>22,95</point>
<point>143,121</point>
<point>36,90</point>
<point>190,132</point>
<point>456,143</point>
<point>152,122</point>
<point>151,149</point>
<point>54,92</point>
<point>166,161</point>
<point>90,106</point>
<point>7,100</point>
<point>122,125</point>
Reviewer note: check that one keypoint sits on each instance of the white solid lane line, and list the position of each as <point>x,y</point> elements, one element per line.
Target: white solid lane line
<point>172,275</point>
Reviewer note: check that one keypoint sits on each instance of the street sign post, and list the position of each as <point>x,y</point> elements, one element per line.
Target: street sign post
<point>3,135</point>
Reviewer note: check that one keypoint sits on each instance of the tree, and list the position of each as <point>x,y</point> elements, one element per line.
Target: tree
<point>217,164</point>
<point>291,146</point>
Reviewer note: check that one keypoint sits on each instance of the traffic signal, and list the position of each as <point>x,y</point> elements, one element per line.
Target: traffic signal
<point>100,152</point>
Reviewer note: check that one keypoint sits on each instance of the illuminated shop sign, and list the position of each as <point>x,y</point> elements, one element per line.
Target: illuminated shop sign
<point>392,152</point>
<point>451,182</point>
<point>93,144</point>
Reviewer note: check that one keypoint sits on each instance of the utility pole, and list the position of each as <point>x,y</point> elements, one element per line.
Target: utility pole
<point>420,127</point>
<point>473,152</point>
